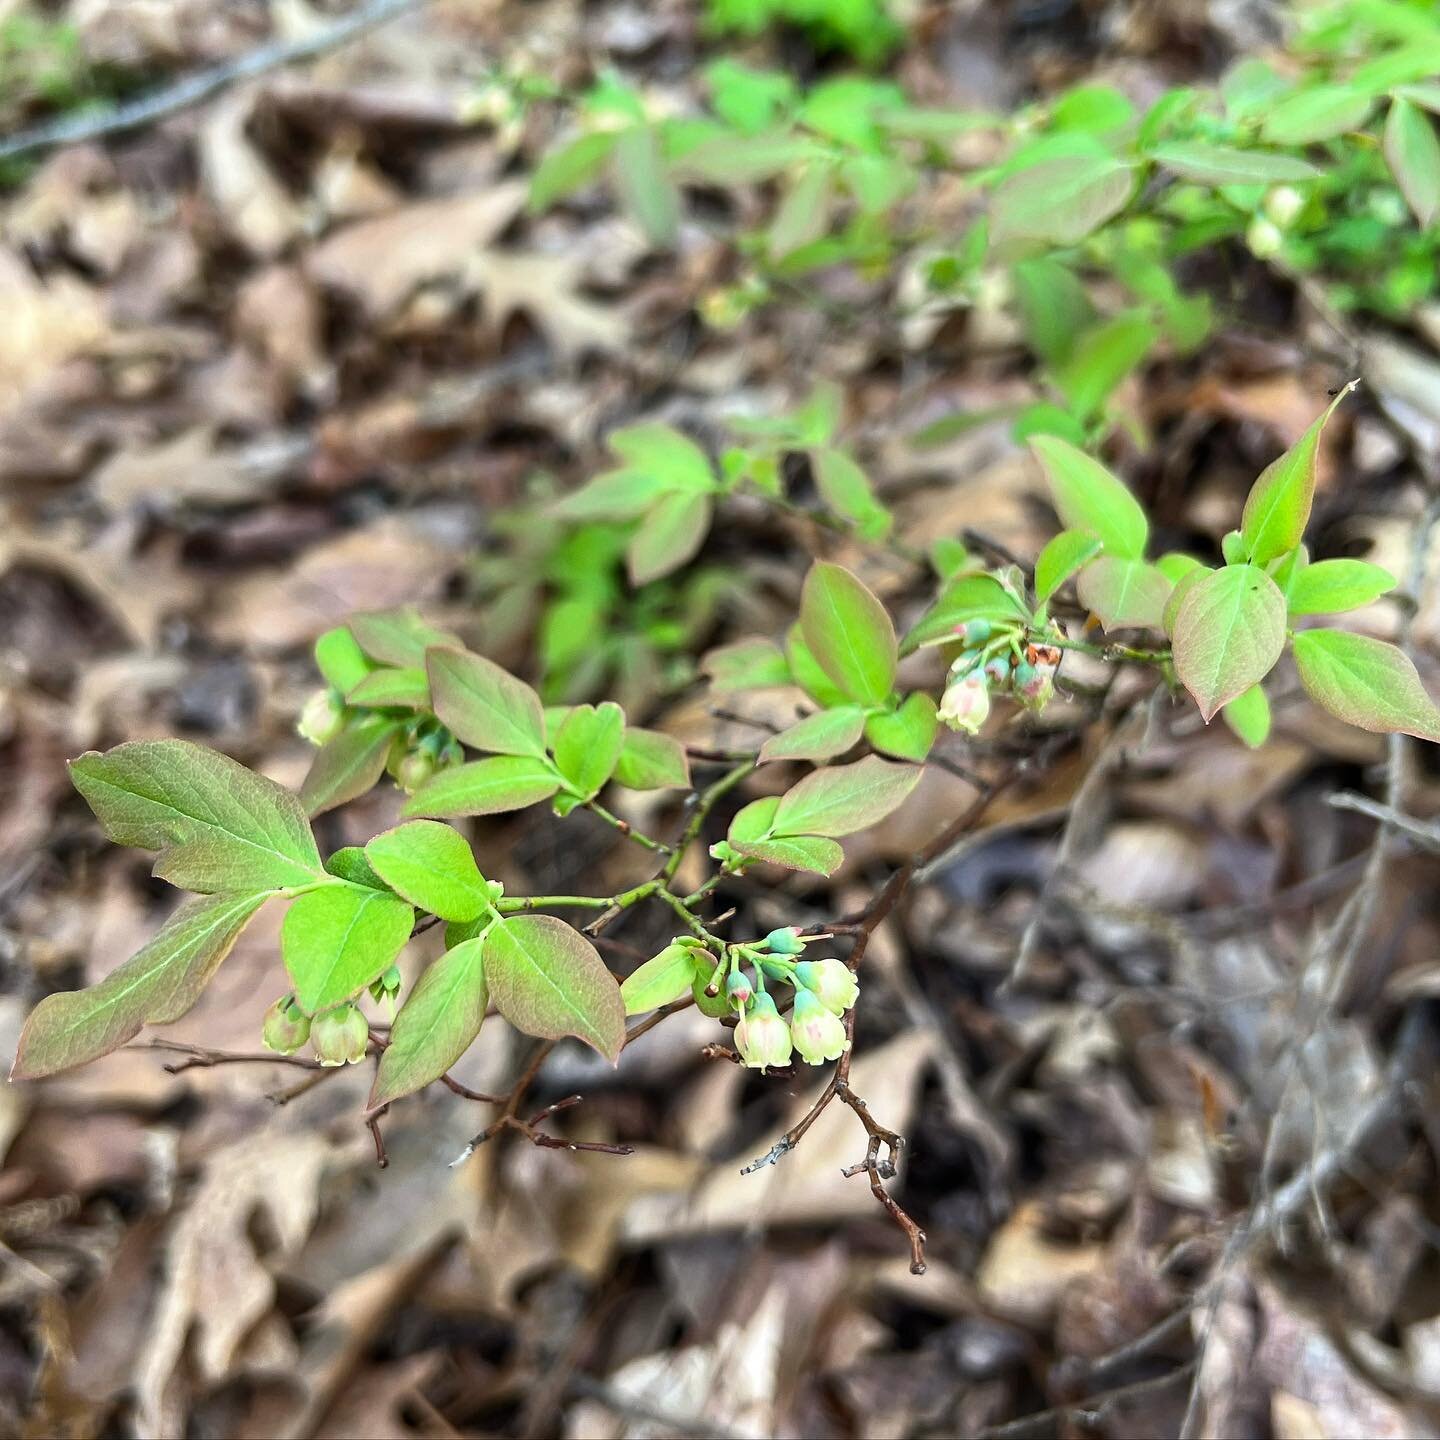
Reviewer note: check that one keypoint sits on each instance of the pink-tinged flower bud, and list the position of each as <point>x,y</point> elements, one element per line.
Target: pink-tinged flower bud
<point>287,1027</point>
<point>762,1037</point>
<point>785,941</point>
<point>819,1033</point>
<point>323,717</point>
<point>830,981</point>
<point>965,704</point>
<point>339,1036</point>
<point>973,633</point>
<point>739,989</point>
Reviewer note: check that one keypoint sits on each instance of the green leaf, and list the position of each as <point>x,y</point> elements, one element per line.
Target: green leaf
<point>969,597</point>
<point>1319,113</point>
<point>588,745</point>
<point>668,537</point>
<point>1278,506</point>
<point>664,451</point>
<point>1060,559</point>
<point>432,867</point>
<point>849,633</point>
<point>336,940</point>
<point>908,732</point>
<point>1248,715</point>
<point>1183,586</point>
<point>752,664</point>
<point>664,977</point>
<point>217,825</point>
<point>548,980</point>
<point>485,706</point>
<point>398,637</point>
<point>1053,304</point>
<point>1365,683</point>
<point>341,660</point>
<point>1427,96</point>
<point>818,737</point>
<point>436,1025</point>
<point>614,495</point>
<point>1329,586</point>
<point>842,799</point>
<point>644,185</point>
<point>1101,359</point>
<point>1089,498</point>
<point>754,821</point>
<point>796,852</point>
<point>349,863</point>
<point>158,984</point>
<point>805,672</point>
<point>1061,199</point>
<point>1123,593</point>
<point>1226,165</point>
<point>650,760</point>
<point>1229,633</point>
<point>568,168</point>
<point>1175,566</point>
<point>406,687</point>
<point>845,488</point>
<point>1413,154</point>
<point>485,787</point>
<point>803,216</point>
<point>349,765</point>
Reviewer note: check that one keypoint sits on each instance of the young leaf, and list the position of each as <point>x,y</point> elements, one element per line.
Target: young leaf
<point>158,984</point>
<point>1089,498</point>
<point>1413,154</point>
<point>849,633</point>
<point>217,825</point>
<point>1102,357</point>
<point>1228,635</point>
<point>1365,683</point>
<point>650,760</point>
<point>335,941</point>
<point>404,687</point>
<point>349,863</point>
<point>668,537</point>
<point>1175,566</point>
<point>1248,715</point>
<point>1061,199</point>
<point>842,799</point>
<point>908,732</point>
<point>341,660</point>
<point>436,1025</point>
<point>398,637</point>
<point>665,977</point>
<point>1278,506</point>
<point>614,495</point>
<point>803,216</point>
<point>968,597</point>
<point>805,671</point>
<point>432,867</point>
<point>845,488</point>
<point>821,736</point>
<point>644,185</point>
<point>1053,304</point>
<point>1330,586</point>
<point>548,980</point>
<point>1123,593</point>
<point>349,765</point>
<point>1319,113</point>
<point>486,706</point>
<point>485,787</point>
<point>1225,165</point>
<point>1060,559</point>
<point>569,167</point>
<point>796,852</point>
<point>1183,586</point>
<point>588,745</point>
<point>752,664</point>
<point>666,452</point>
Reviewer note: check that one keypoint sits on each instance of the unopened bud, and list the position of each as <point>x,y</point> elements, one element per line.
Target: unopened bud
<point>1265,238</point>
<point>973,632</point>
<point>339,1036</point>
<point>323,717</point>
<point>785,941</point>
<point>738,988</point>
<point>997,670</point>
<point>414,770</point>
<point>287,1027</point>
<point>1283,205</point>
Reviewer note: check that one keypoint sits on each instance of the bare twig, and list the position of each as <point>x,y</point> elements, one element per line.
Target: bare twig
<point>193,89</point>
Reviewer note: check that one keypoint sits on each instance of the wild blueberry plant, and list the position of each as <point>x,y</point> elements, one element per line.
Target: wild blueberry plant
<point>464,738</point>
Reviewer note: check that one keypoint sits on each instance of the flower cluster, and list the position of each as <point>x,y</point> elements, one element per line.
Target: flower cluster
<point>338,1037</point>
<point>824,990</point>
<point>995,658</point>
<point>417,752</point>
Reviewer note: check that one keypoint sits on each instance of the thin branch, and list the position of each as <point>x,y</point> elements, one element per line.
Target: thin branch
<point>192,89</point>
